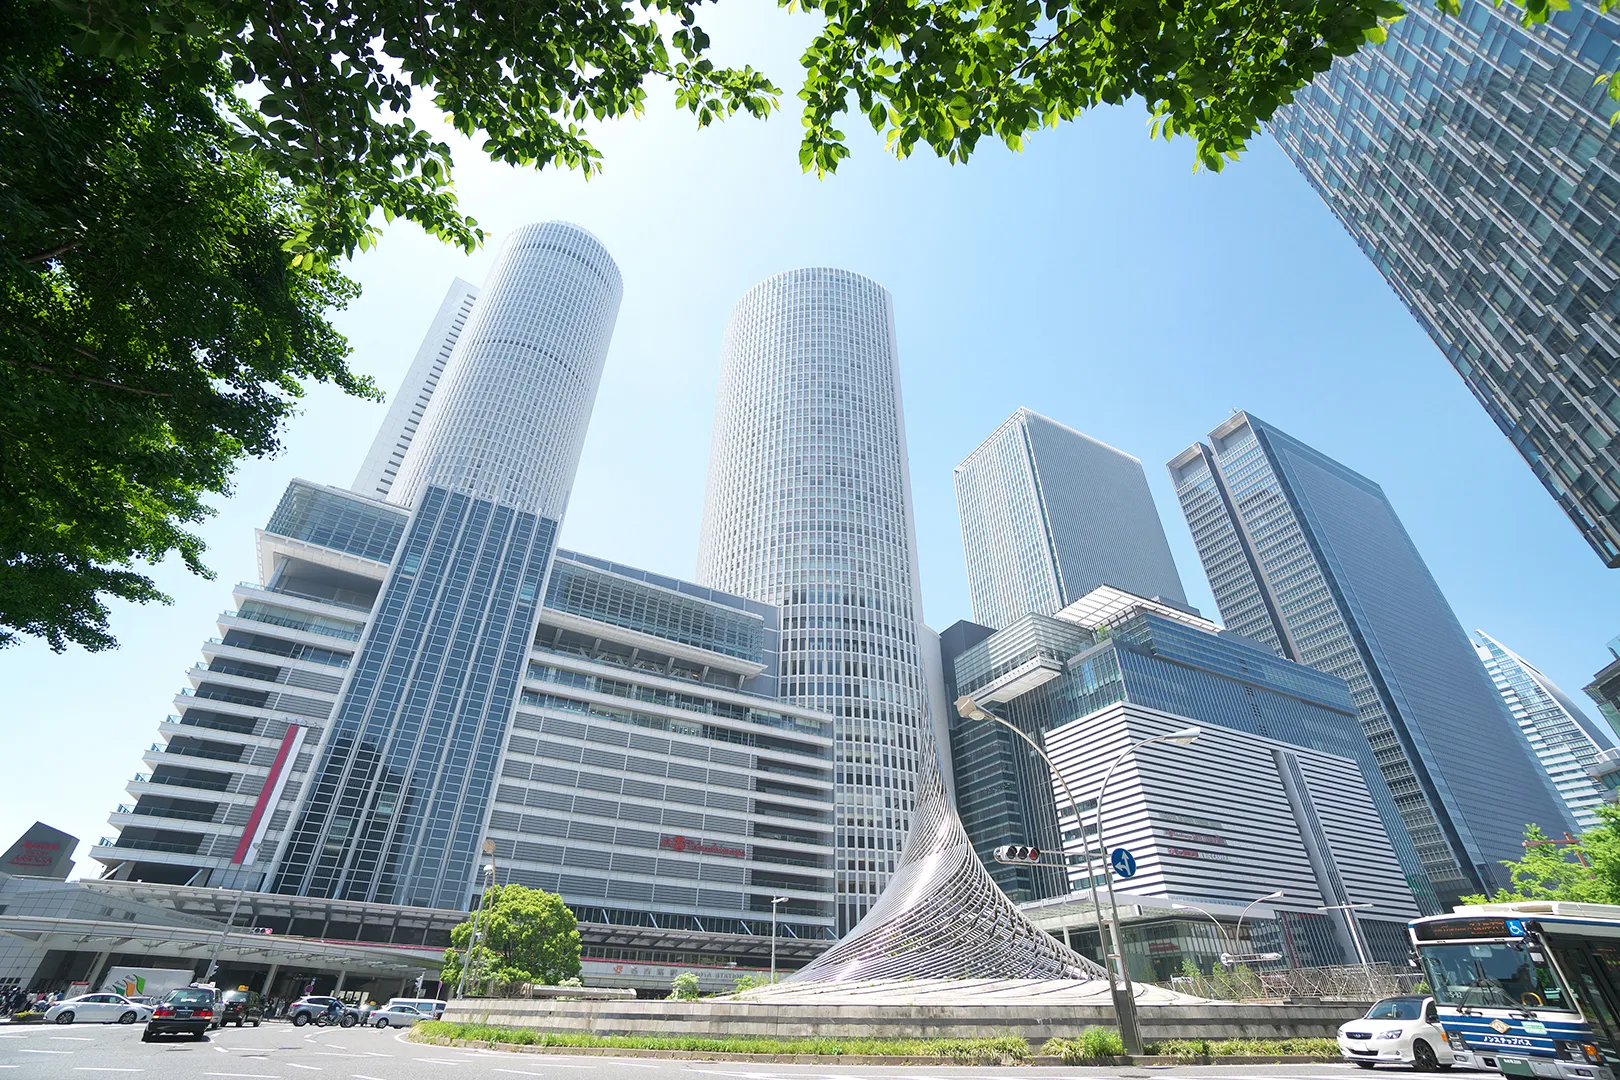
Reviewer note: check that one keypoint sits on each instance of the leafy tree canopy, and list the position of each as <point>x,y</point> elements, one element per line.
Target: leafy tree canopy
<point>152,331</point>
<point>1587,871</point>
<point>524,936</point>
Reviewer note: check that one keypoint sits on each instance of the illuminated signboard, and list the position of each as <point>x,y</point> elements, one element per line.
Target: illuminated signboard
<point>1461,929</point>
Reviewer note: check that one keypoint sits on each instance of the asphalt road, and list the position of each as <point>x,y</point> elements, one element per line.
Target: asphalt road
<point>279,1051</point>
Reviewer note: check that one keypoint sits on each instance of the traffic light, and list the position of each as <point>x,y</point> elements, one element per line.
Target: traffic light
<point>1018,855</point>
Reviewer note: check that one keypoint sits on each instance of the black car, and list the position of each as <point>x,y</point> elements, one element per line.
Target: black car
<point>188,1011</point>
<point>240,1006</point>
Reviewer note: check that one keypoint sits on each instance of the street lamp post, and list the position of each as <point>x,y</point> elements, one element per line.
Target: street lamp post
<point>472,938</point>
<point>774,902</point>
<point>1124,1005</point>
<point>1181,737</point>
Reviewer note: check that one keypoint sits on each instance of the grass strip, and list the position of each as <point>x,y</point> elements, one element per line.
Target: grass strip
<point>1006,1050</point>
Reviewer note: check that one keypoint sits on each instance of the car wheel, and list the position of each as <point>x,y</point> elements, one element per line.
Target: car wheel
<point>1423,1057</point>
<point>1364,1064</point>
<point>65,1017</point>
<point>300,1019</point>
<point>382,1022</point>
<point>127,1018</point>
<point>201,1035</point>
<point>146,1036</point>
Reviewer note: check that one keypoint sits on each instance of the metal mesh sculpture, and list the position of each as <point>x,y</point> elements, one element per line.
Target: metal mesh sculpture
<point>942,915</point>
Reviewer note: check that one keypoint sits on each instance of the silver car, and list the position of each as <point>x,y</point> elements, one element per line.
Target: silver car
<point>396,1016</point>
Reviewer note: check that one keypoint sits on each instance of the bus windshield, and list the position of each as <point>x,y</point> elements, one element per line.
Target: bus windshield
<point>1491,974</point>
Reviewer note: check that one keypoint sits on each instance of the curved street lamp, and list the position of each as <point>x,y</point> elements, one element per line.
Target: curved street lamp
<point>1236,936</point>
<point>1124,1006</point>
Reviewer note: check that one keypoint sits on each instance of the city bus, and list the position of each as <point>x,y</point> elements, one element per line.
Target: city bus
<point>1528,989</point>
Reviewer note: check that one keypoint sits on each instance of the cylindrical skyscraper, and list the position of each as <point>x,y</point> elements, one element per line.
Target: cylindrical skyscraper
<point>809,508</point>
<point>509,421</point>
<point>401,794</point>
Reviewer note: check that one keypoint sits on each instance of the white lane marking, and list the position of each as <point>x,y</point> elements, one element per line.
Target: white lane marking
<point>295,1065</point>
<point>363,1076</point>
<point>439,1061</point>
<point>221,1050</point>
<point>373,1053</point>
<point>44,1051</point>
<point>71,1038</point>
<point>644,1065</point>
<point>253,1076</point>
<point>99,1068</point>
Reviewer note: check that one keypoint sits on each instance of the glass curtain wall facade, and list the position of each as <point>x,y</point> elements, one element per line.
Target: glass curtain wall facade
<point>1473,162</point>
<point>1308,558</point>
<point>400,796</point>
<point>1049,514</point>
<point>1565,741</point>
<point>808,508</point>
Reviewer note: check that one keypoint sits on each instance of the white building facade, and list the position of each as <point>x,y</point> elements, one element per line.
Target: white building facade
<point>1230,819</point>
<point>381,467</point>
<point>809,508</point>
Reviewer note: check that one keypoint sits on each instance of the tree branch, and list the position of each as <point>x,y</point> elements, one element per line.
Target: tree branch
<point>47,256</point>
<point>59,373</point>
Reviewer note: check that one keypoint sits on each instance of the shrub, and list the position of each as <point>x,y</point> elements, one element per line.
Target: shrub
<point>1094,1044</point>
<point>1006,1050</point>
<point>684,985</point>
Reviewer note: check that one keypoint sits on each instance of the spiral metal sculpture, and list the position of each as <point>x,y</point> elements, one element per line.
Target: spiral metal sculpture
<point>942,915</point>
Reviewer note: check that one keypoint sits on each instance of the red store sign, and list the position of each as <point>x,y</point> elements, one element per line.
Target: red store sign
<point>698,847</point>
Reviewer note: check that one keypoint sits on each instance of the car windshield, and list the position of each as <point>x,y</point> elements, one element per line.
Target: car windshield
<point>1396,1009</point>
<point>1497,973</point>
<point>236,995</point>
<point>190,997</point>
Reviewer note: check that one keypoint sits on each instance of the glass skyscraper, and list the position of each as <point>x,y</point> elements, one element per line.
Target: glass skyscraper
<point>1473,161</point>
<point>1049,514</point>
<point>1565,741</point>
<point>1308,558</point>
<point>398,800</point>
<point>809,508</point>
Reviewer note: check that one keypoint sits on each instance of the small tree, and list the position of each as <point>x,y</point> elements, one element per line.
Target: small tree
<point>1587,871</point>
<point>684,986</point>
<point>524,935</point>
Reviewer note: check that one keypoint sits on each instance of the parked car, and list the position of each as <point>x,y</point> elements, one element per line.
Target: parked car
<point>190,1010</point>
<point>240,1006</point>
<point>397,1016</point>
<point>95,1008</point>
<point>308,1009</point>
<point>1398,1031</point>
<point>432,1008</point>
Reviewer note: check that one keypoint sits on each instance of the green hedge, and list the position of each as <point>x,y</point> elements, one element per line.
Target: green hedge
<point>1094,1044</point>
<point>1007,1050</point>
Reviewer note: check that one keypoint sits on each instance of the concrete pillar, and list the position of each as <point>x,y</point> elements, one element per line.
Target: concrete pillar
<point>269,980</point>
<point>98,968</point>
<point>339,987</point>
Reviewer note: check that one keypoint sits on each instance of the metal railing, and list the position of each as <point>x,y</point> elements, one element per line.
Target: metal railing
<point>1341,982</point>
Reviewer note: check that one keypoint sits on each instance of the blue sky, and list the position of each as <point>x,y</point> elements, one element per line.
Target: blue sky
<point>1094,278</point>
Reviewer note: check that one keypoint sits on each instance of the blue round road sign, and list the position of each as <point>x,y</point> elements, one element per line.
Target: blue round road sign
<point>1123,861</point>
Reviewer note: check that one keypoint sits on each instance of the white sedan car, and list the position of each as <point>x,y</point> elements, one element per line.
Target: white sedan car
<point>1398,1031</point>
<point>396,1016</point>
<point>99,1009</point>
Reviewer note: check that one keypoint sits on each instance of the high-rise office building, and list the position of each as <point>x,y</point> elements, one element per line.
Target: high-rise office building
<point>1308,558</point>
<point>1472,159</point>
<point>1049,514</point>
<point>405,412</point>
<point>1604,689</point>
<point>1110,647</point>
<point>809,508</point>
<point>399,797</point>
<point>1565,741</point>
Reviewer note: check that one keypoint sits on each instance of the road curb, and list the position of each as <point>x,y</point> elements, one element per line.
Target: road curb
<point>858,1059</point>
